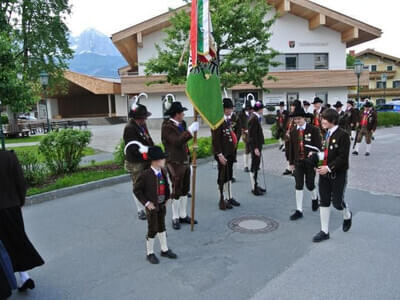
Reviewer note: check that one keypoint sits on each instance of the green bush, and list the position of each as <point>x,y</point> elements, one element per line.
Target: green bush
<point>274,131</point>
<point>119,155</point>
<point>64,149</point>
<point>4,119</point>
<point>388,119</point>
<point>35,171</point>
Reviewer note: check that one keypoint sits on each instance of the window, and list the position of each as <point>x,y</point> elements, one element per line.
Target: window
<point>373,68</point>
<point>380,85</point>
<point>323,96</point>
<point>321,61</point>
<point>291,97</point>
<point>291,61</point>
<point>390,68</point>
<point>396,84</point>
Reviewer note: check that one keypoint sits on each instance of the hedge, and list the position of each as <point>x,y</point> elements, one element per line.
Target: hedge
<point>386,119</point>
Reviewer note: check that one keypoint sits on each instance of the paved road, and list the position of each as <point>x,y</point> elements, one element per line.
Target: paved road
<point>94,248</point>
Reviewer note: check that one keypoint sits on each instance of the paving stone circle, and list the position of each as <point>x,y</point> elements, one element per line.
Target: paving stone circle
<point>253,224</point>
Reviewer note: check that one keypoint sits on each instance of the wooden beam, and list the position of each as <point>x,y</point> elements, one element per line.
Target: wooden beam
<point>140,39</point>
<point>350,35</point>
<point>317,21</point>
<point>283,7</point>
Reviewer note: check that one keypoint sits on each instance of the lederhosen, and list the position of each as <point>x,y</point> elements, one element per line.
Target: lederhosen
<point>332,186</point>
<point>156,218</point>
<point>299,139</point>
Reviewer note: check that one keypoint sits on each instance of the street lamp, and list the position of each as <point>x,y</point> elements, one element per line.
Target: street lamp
<point>3,142</point>
<point>44,80</point>
<point>358,68</point>
<point>384,80</point>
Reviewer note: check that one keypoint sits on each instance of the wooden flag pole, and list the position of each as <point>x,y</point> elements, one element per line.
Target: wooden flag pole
<point>194,168</point>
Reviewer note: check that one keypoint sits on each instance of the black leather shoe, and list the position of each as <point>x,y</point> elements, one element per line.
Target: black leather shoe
<point>169,254</point>
<point>347,223</point>
<point>152,258</point>
<point>228,205</point>
<point>233,179</point>
<point>186,220</point>
<point>233,202</point>
<point>280,147</point>
<point>355,153</point>
<point>287,172</point>
<point>314,204</point>
<point>175,224</point>
<point>262,190</point>
<point>142,215</point>
<point>367,154</point>
<point>28,284</point>
<point>297,215</point>
<point>189,195</point>
<point>257,192</point>
<point>320,236</point>
<point>246,170</point>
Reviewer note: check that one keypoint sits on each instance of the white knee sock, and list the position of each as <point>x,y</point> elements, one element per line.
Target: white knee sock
<point>175,208</point>
<point>230,195</point>
<point>162,236</point>
<point>226,191</point>
<point>353,134</point>
<point>299,200</point>
<point>314,194</point>
<point>325,213</point>
<point>346,213</point>
<point>357,148</point>
<point>183,206</point>
<point>252,181</point>
<point>368,150</point>
<point>24,276</point>
<point>139,205</point>
<point>280,142</point>
<point>246,160</point>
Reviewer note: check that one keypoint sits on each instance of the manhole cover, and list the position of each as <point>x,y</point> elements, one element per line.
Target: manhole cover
<point>253,224</point>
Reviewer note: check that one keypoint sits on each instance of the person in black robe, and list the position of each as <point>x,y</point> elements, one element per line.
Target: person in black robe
<point>22,253</point>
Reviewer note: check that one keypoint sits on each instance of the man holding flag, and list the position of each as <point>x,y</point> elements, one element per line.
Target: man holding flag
<point>203,86</point>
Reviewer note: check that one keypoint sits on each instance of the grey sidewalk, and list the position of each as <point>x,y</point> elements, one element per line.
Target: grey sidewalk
<point>94,247</point>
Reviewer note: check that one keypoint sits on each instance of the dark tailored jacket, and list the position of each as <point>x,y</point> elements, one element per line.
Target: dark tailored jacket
<point>312,137</point>
<point>317,115</point>
<point>236,125</point>
<point>352,116</point>
<point>372,119</point>
<point>12,181</point>
<point>146,187</point>
<point>222,140</point>
<point>285,117</point>
<point>244,120</point>
<point>343,122</point>
<point>256,134</point>
<point>338,151</point>
<point>133,132</point>
<point>175,142</point>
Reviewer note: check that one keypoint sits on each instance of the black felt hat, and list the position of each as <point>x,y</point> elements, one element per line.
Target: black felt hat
<point>298,112</point>
<point>176,108</point>
<point>140,112</point>
<point>227,103</point>
<point>306,103</point>
<point>281,103</point>
<point>156,153</point>
<point>338,104</point>
<point>317,100</point>
<point>351,102</point>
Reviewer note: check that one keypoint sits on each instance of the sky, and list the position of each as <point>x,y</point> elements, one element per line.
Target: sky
<point>112,16</point>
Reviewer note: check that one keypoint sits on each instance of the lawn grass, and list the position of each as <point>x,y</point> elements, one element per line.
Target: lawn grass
<point>82,176</point>
<point>30,139</point>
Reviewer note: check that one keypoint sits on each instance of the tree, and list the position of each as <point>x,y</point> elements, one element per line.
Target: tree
<point>241,32</point>
<point>350,60</point>
<point>40,43</point>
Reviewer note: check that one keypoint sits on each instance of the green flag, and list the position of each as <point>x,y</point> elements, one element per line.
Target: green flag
<point>203,86</point>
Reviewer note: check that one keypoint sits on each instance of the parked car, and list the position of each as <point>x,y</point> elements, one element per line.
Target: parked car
<point>389,107</point>
<point>27,118</point>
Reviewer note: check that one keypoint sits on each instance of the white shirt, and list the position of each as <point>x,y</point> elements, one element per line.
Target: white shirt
<point>302,127</point>
<point>332,130</point>
<point>175,121</point>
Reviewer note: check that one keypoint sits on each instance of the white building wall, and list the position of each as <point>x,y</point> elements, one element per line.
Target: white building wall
<point>320,40</point>
<point>52,107</point>
<point>149,48</point>
<point>121,106</point>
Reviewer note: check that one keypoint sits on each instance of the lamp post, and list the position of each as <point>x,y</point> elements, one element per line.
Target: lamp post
<point>358,68</point>
<point>44,80</point>
<point>3,142</point>
<point>384,80</point>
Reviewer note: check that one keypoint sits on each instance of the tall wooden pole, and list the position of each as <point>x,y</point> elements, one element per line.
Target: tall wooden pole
<point>194,168</point>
